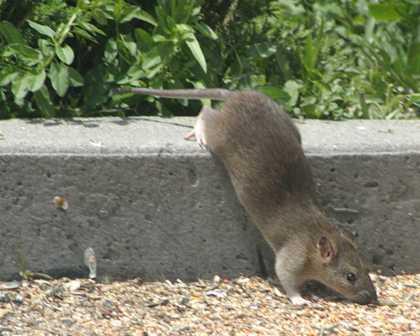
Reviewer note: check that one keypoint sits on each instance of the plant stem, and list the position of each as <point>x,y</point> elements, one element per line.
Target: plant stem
<point>64,32</point>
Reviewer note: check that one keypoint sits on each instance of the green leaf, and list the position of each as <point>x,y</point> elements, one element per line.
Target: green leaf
<point>292,89</point>
<point>311,111</point>
<point>143,39</point>
<point>59,76</point>
<point>7,75</point>
<point>161,18</point>
<point>385,12</point>
<point>196,11</point>
<point>43,101</point>
<point>75,78</point>
<point>415,99</point>
<point>37,81</point>
<point>23,51</point>
<point>83,33</point>
<point>146,17</point>
<point>206,31</point>
<point>42,29</point>
<point>265,50</point>
<point>159,38</point>
<point>309,55</point>
<point>151,59</point>
<point>91,28</point>
<point>111,51</point>
<point>195,48</point>
<point>46,47</point>
<point>65,54</point>
<point>21,86</point>
<point>101,16</point>
<point>10,33</point>
<point>275,93</point>
<point>139,14</point>
<point>118,8</point>
<point>185,30</point>
<point>135,72</point>
<point>414,58</point>
<point>124,44</point>
<point>96,91</point>
<point>152,72</point>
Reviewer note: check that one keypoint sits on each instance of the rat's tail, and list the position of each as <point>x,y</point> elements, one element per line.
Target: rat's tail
<point>214,94</point>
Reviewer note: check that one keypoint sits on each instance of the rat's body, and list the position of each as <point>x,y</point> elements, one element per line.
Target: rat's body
<point>261,149</point>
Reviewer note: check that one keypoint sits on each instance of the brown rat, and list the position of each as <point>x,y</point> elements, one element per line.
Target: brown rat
<point>261,149</point>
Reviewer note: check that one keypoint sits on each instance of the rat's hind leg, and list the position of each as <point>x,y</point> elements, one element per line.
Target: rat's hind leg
<point>198,132</point>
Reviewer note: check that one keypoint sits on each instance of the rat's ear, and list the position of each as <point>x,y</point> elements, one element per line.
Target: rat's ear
<point>326,249</point>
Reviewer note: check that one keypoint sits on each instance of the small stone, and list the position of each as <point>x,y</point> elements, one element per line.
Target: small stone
<point>90,262</point>
<point>4,312</point>
<point>217,293</point>
<point>164,302</point>
<point>254,306</point>
<point>72,285</point>
<point>4,297</point>
<point>18,299</point>
<point>56,291</point>
<point>10,285</point>
<point>184,301</point>
<point>277,292</point>
<point>60,203</point>
<point>242,281</point>
<point>67,322</point>
<point>116,323</point>
<point>216,279</point>
<point>388,303</point>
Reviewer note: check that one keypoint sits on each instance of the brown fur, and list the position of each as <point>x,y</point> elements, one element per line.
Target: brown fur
<point>261,149</point>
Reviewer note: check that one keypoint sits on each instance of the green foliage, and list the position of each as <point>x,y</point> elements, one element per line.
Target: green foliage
<point>335,59</point>
<point>323,59</point>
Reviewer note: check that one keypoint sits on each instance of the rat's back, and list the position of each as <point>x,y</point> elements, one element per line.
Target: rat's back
<point>261,149</point>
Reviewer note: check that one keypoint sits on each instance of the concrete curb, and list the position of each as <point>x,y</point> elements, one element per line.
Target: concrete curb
<point>153,205</point>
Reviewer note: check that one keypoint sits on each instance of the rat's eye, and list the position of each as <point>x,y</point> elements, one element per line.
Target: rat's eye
<point>351,277</point>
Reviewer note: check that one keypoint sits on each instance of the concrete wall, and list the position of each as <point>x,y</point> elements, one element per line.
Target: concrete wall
<point>153,205</point>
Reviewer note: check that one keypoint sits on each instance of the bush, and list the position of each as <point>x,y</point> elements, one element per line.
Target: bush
<point>322,59</point>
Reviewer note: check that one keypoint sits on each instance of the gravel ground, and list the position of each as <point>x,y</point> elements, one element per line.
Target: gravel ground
<point>242,306</point>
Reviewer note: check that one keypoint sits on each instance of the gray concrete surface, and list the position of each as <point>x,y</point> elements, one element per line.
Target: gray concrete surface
<point>153,205</point>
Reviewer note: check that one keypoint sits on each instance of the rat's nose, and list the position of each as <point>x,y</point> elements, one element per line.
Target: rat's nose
<point>366,297</point>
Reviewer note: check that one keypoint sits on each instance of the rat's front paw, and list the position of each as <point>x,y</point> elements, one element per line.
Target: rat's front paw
<point>299,301</point>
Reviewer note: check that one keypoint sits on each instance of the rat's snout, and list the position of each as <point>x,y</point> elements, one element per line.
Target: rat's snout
<point>367,297</point>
